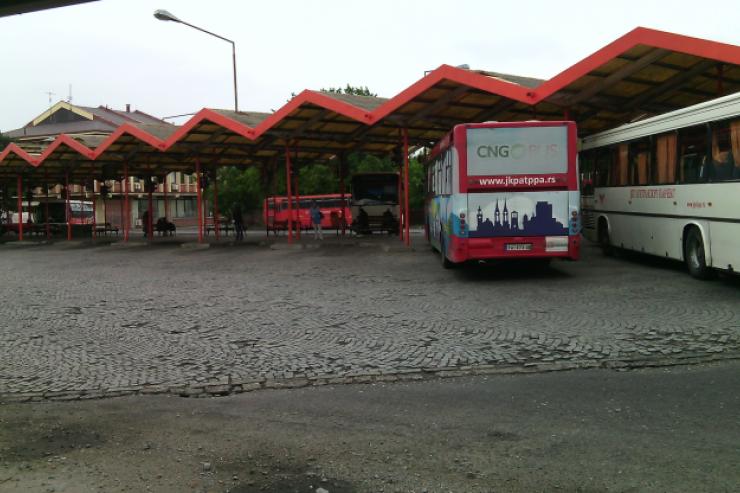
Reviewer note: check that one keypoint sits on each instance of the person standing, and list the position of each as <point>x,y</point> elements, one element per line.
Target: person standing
<point>316,216</point>
<point>236,215</point>
<point>145,223</point>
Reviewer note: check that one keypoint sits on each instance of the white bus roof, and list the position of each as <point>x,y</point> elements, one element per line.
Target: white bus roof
<point>716,109</point>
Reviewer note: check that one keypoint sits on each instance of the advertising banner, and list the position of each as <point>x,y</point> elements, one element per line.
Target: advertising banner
<point>518,214</point>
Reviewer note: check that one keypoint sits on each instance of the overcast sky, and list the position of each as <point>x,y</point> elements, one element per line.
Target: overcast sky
<point>115,52</point>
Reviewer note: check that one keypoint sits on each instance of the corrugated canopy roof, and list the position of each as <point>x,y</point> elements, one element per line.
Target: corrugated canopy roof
<point>642,73</point>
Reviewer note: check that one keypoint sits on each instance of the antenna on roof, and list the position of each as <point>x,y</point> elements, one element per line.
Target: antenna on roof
<point>50,94</point>
<point>69,96</point>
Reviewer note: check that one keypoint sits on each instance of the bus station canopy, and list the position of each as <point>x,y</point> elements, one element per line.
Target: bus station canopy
<point>643,73</point>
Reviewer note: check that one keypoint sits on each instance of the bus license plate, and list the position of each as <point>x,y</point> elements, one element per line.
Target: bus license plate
<point>518,246</point>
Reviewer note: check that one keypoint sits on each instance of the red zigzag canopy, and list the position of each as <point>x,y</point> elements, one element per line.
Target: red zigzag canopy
<point>644,72</point>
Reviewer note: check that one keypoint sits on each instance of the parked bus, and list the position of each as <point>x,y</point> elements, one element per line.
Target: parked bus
<point>670,186</point>
<point>80,212</point>
<point>275,211</point>
<point>377,194</point>
<point>34,220</point>
<point>504,191</point>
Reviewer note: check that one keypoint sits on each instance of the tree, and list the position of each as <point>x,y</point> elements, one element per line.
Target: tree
<point>317,179</point>
<point>237,186</point>
<point>357,91</point>
<point>4,141</point>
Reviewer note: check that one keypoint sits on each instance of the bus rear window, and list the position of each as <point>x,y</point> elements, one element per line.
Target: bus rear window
<point>517,150</point>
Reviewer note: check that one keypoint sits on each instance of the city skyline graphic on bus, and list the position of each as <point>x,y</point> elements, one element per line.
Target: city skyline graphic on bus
<point>519,215</point>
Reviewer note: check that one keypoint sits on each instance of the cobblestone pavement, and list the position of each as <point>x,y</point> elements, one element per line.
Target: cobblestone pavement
<point>94,321</point>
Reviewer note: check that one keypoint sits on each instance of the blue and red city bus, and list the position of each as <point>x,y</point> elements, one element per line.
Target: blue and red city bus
<point>275,211</point>
<point>504,190</point>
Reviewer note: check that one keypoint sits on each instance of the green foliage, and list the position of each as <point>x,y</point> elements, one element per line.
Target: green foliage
<point>237,186</point>
<point>317,179</point>
<point>4,141</point>
<point>357,91</point>
<point>246,186</point>
<point>359,162</point>
<point>416,184</point>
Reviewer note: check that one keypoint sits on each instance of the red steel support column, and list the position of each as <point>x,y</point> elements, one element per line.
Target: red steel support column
<point>126,209</point>
<point>164,190</point>
<point>290,196</point>
<point>341,191</point>
<point>95,213</point>
<point>215,203</point>
<point>150,216</point>
<point>68,209</point>
<point>199,200</point>
<point>29,196</point>
<point>298,203</point>
<point>400,203</point>
<point>105,209</point>
<point>46,207</point>
<point>407,217</point>
<point>8,216</point>
<point>20,208</point>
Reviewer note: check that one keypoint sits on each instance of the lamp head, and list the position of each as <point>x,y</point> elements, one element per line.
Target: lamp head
<point>163,15</point>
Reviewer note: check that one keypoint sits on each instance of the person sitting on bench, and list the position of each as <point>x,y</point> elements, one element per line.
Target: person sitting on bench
<point>390,224</point>
<point>361,223</point>
<point>164,226</point>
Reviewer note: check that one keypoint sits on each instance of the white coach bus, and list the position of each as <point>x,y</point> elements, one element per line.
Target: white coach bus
<point>669,186</point>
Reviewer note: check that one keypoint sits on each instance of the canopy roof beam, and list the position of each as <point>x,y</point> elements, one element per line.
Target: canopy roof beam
<point>621,74</point>
<point>672,83</point>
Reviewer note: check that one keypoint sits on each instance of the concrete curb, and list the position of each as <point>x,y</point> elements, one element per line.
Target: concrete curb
<point>229,386</point>
<point>195,246</point>
<point>25,243</point>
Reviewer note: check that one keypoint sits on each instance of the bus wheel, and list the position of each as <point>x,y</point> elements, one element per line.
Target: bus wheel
<point>694,255</point>
<point>604,241</point>
<point>446,263</point>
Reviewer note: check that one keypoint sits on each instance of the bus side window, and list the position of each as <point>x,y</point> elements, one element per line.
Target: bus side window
<point>735,143</point>
<point>619,169</point>
<point>664,149</point>
<point>587,164</point>
<point>438,171</point>
<point>432,178</point>
<point>639,152</point>
<point>723,163</point>
<point>603,166</point>
<point>694,165</point>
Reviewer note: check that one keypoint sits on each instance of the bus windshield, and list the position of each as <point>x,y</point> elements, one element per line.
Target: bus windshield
<point>375,189</point>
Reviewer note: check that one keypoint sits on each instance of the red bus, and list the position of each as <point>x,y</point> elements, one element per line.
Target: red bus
<point>275,211</point>
<point>80,213</point>
<point>504,190</point>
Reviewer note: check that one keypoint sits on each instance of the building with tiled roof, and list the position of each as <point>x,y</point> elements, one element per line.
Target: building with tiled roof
<point>91,126</point>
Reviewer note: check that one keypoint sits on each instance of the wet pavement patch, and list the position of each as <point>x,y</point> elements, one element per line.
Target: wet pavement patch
<point>265,473</point>
<point>32,442</point>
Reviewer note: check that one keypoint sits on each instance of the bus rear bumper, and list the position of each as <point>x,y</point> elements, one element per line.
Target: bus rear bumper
<point>463,249</point>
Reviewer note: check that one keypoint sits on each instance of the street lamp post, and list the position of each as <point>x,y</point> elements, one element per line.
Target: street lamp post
<point>163,15</point>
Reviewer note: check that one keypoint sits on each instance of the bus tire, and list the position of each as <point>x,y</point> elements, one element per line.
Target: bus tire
<point>696,263</point>
<point>446,263</point>
<point>604,240</point>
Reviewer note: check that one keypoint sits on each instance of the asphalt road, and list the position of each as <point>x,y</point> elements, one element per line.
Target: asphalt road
<point>671,429</point>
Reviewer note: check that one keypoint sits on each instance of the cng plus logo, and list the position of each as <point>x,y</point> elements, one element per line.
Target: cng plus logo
<point>518,151</point>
